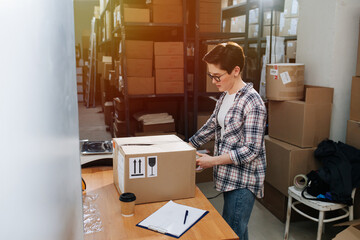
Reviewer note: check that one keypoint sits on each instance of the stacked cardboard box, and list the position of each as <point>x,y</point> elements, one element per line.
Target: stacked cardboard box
<point>136,14</point>
<point>296,127</point>
<point>289,18</point>
<point>167,11</point>
<point>169,67</point>
<point>104,67</point>
<point>267,23</point>
<point>353,129</point>
<point>291,51</point>
<point>139,66</point>
<point>210,16</point>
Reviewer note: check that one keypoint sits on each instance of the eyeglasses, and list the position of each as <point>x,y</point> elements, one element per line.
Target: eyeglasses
<point>216,78</point>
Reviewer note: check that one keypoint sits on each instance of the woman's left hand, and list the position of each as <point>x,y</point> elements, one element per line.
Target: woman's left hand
<point>205,160</point>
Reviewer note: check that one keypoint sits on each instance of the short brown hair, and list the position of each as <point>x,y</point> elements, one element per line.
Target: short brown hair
<point>227,56</point>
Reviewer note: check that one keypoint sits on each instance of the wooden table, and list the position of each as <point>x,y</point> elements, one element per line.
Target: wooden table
<point>99,180</point>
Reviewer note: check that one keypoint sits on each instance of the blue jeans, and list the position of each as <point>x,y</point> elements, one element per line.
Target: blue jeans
<point>238,205</point>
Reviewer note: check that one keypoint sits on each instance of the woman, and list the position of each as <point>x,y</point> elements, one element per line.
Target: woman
<point>238,126</point>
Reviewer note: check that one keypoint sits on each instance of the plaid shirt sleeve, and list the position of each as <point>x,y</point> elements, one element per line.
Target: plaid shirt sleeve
<point>254,128</point>
<point>205,133</point>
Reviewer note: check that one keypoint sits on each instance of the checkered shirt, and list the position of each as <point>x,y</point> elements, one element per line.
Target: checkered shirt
<point>243,140</point>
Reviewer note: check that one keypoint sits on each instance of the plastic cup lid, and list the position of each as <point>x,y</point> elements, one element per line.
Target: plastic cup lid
<point>127,197</point>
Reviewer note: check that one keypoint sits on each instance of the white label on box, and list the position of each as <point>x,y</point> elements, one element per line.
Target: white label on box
<point>137,167</point>
<point>152,166</point>
<point>274,72</point>
<point>121,172</point>
<point>285,77</point>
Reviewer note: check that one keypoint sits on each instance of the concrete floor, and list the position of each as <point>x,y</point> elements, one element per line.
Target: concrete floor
<point>262,225</point>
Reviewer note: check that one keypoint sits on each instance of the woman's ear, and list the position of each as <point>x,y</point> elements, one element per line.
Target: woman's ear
<point>236,71</point>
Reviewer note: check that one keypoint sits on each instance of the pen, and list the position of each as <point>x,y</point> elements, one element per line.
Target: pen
<point>186,214</point>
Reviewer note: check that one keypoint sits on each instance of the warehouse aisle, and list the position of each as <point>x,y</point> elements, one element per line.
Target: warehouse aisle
<point>263,224</point>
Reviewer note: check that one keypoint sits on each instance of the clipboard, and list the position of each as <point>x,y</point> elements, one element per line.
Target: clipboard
<point>173,219</point>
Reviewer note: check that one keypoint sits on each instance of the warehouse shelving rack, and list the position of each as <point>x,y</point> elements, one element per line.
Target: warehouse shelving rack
<point>143,31</point>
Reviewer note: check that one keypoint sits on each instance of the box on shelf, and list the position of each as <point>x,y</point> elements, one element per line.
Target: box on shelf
<point>168,48</point>
<point>171,13</point>
<point>288,26</point>
<point>169,62</point>
<point>275,30</point>
<point>291,49</point>
<point>163,170</point>
<point>139,49</point>
<point>355,99</point>
<point>80,88</point>
<point>169,75</point>
<point>169,87</point>
<point>291,8</point>
<point>139,67</point>
<point>166,2</point>
<point>285,81</point>
<point>302,123</point>
<point>267,18</point>
<point>161,127</point>
<point>210,18</point>
<point>136,14</point>
<point>253,16</point>
<point>353,133</point>
<point>108,110</point>
<point>79,79</point>
<point>237,24</point>
<point>209,7</point>
<point>141,85</point>
<point>285,161</point>
<point>253,31</point>
<point>209,27</point>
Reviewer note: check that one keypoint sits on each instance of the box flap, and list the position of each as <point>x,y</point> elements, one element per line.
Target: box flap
<point>348,223</point>
<point>152,144</point>
<point>318,95</point>
<point>351,233</point>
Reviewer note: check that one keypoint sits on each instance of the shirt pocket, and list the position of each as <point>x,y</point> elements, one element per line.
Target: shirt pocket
<point>234,130</point>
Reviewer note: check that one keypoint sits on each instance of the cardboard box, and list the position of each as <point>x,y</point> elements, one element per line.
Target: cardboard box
<point>253,31</point>
<point>285,81</point>
<point>206,7</point>
<point>267,18</point>
<point>169,48</point>
<point>169,87</point>
<point>166,2</point>
<point>169,62</point>
<point>350,233</point>
<point>285,161</point>
<point>210,18</point>
<point>136,15</point>
<point>172,177</point>
<point>288,26</point>
<point>358,56</point>
<point>238,24</point>
<point>162,127</point>
<point>291,49</point>
<point>275,30</point>
<point>167,13</point>
<point>302,123</point>
<point>139,67</point>
<point>353,133</point>
<point>141,85</point>
<point>139,49</point>
<point>169,75</point>
<point>209,27</point>
<point>355,99</point>
<point>291,8</point>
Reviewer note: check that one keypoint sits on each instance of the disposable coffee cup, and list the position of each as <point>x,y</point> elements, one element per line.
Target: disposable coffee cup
<point>127,201</point>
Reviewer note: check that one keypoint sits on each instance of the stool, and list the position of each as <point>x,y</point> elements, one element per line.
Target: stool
<point>322,207</point>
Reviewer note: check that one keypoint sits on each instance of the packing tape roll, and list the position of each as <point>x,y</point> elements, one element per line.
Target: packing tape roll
<point>298,183</point>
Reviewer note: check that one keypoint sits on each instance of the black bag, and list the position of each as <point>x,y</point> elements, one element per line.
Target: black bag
<point>315,186</point>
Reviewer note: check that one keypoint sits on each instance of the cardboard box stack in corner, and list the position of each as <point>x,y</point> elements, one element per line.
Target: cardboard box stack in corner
<point>154,168</point>
<point>299,119</point>
<point>169,67</point>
